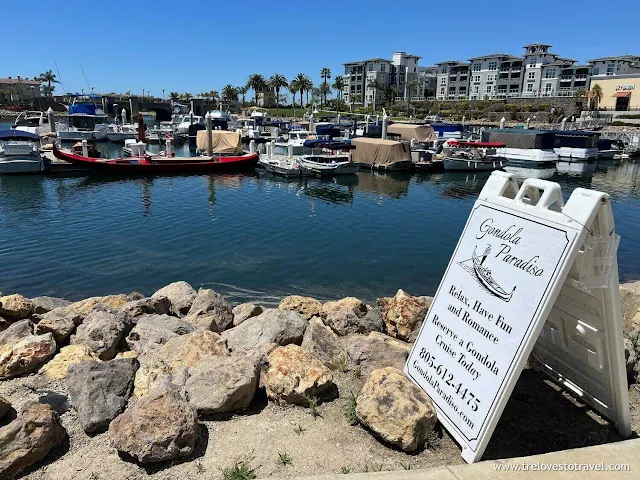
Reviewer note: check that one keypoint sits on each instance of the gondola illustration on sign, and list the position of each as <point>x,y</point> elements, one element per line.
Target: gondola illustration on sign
<point>483,274</point>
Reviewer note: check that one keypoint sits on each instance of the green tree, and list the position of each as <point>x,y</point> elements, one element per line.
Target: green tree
<point>277,82</point>
<point>48,77</point>
<point>325,73</point>
<point>338,84</point>
<point>257,83</point>
<point>242,90</point>
<point>580,93</point>
<point>325,90</point>
<point>294,87</point>
<point>230,93</point>
<point>595,96</point>
<point>305,84</point>
<point>174,96</point>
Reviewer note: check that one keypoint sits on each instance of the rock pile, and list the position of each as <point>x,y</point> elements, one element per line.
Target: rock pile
<point>144,369</point>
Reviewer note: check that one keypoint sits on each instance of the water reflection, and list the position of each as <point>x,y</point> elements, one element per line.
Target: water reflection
<point>522,173</point>
<point>391,185</point>
<point>581,169</point>
<point>462,184</point>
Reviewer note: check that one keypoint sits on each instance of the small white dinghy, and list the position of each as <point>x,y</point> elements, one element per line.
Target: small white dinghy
<point>20,153</point>
<point>334,159</point>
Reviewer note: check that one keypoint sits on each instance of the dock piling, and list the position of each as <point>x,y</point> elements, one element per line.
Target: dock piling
<point>85,148</point>
<point>169,149</point>
<point>207,117</point>
<point>528,120</point>
<point>290,151</point>
<point>502,122</point>
<point>124,116</point>
<point>563,125</point>
<point>385,122</point>
<point>52,120</point>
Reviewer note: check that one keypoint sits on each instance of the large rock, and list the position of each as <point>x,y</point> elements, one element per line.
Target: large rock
<point>154,374</point>
<point>271,326</point>
<point>14,333</point>
<point>244,311</point>
<point>61,322</point>
<point>395,409</point>
<point>101,331</point>
<point>350,315</point>
<point>159,427</point>
<point>222,384</point>
<point>307,307</point>
<point>630,356</point>
<point>159,305</point>
<point>320,341</point>
<point>181,296</point>
<point>16,307</point>
<point>630,306</point>
<point>26,355</point>
<point>118,301</point>
<point>29,438</point>
<point>403,312</point>
<point>210,311</point>
<point>153,331</point>
<point>57,368</point>
<point>46,304</point>
<point>376,350</point>
<point>294,376</point>
<point>5,406</point>
<point>186,350</point>
<point>99,391</point>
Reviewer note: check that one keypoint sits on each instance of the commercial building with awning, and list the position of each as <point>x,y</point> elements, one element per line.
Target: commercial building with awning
<point>619,92</point>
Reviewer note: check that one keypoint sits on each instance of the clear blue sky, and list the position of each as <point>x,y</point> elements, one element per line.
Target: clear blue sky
<point>195,46</point>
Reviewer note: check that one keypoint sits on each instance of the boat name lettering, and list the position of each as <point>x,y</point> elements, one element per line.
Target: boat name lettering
<point>487,228</point>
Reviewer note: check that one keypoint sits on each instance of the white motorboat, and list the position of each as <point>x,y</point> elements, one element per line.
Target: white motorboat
<point>296,139</point>
<point>576,145</point>
<point>120,133</point>
<point>33,122</point>
<point>185,121</point>
<point>20,153</point>
<point>608,149</point>
<point>327,165</point>
<point>86,120</point>
<point>281,165</point>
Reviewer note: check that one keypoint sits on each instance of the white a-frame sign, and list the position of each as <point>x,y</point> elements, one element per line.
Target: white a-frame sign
<point>527,269</point>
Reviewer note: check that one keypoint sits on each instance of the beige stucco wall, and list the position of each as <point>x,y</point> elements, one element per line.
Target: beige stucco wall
<point>611,85</point>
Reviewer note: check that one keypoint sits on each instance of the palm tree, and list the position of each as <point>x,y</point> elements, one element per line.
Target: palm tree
<point>174,95</point>
<point>276,82</point>
<point>580,92</point>
<point>375,85</point>
<point>325,73</point>
<point>186,96</point>
<point>338,84</point>
<point>299,86</point>
<point>48,77</point>
<point>305,85</point>
<point>242,90</point>
<point>230,93</point>
<point>595,96</point>
<point>257,83</point>
<point>294,87</point>
<point>325,90</point>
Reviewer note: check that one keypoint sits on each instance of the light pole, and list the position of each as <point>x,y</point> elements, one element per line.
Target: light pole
<point>143,93</point>
<point>163,94</point>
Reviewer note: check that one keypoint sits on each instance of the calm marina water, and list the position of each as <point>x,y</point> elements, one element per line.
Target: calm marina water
<point>257,237</point>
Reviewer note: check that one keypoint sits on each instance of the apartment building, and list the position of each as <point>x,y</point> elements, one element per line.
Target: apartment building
<point>452,81</point>
<point>546,74</point>
<point>401,73</point>
<point>428,80</point>
<point>622,65</point>
<point>494,76</point>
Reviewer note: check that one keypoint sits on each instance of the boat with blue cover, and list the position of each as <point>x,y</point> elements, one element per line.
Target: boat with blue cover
<point>576,144</point>
<point>86,120</point>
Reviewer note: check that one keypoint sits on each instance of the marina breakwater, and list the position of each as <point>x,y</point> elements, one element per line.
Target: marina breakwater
<point>157,379</point>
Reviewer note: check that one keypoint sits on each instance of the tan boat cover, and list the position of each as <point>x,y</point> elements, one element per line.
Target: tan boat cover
<point>408,131</point>
<point>223,141</point>
<point>375,151</point>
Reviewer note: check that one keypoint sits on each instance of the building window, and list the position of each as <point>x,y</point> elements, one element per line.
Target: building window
<point>531,75</point>
<point>488,89</point>
<point>514,88</point>
<point>443,80</point>
<point>442,90</point>
<point>476,67</point>
<point>493,65</point>
<point>382,67</point>
<point>532,62</point>
<point>529,87</point>
<point>491,78</point>
<point>550,73</point>
<point>476,78</point>
<point>547,87</point>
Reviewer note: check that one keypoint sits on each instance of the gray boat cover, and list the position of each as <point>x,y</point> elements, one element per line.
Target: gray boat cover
<point>375,151</point>
<point>520,138</point>
<point>408,131</point>
<point>223,141</point>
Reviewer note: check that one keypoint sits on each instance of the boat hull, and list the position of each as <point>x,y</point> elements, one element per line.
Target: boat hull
<point>17,165</point>
<point>462,165</point>
<point>528,156</point>
<point>162,165</point>
<point>72,136</point>
<point>120,137</point>
<point>576,154</point>
<point>401,166</point>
